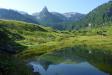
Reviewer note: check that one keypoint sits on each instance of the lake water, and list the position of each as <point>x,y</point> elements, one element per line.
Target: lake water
<point>83,68</point>
<point>71,61</point>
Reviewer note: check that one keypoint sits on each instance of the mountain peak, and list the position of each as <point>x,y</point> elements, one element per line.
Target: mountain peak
<point>45,10</point>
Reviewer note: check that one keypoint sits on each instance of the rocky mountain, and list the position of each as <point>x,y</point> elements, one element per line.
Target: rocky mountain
<point>72,16</point>
<point>71,20</point>
<point>9,14</point>
<point>55,19</point>
<point>47,18</point>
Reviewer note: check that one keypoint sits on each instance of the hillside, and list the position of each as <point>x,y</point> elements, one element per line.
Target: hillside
<point>99,16</point>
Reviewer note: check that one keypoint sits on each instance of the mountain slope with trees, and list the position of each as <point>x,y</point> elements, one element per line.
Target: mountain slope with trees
<point>100,16</point>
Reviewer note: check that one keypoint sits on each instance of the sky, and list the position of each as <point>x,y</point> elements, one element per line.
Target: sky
<point>62,6</point>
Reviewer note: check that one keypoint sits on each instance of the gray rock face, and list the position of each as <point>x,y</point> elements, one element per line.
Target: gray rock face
<point>72,16</point>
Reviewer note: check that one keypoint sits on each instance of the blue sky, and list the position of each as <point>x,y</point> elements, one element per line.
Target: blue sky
<point>62,6</point>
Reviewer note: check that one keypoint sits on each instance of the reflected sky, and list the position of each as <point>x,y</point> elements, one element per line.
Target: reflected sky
<point>83,68</point>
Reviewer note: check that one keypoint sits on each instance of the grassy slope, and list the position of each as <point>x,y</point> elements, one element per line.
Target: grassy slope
<point>40,40</point>
<point>56,41</point>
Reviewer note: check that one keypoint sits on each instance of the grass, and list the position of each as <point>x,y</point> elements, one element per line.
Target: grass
<point>39,42</point>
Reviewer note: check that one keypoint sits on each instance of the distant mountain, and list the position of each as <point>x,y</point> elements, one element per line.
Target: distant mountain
<point>9,14</point>
<point>55,19</point>
<point>59,15</point>
<point>72,16</point>
<point>47,18</point>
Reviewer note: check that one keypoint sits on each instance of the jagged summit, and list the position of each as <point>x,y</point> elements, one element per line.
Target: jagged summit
<point>44,10</point>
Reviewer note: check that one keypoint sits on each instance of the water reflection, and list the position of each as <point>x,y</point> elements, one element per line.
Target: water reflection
<point>83,68</point>
<point>86,62</point>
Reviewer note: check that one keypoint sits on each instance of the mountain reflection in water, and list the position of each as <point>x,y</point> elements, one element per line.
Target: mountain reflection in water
<point>83,68</point>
